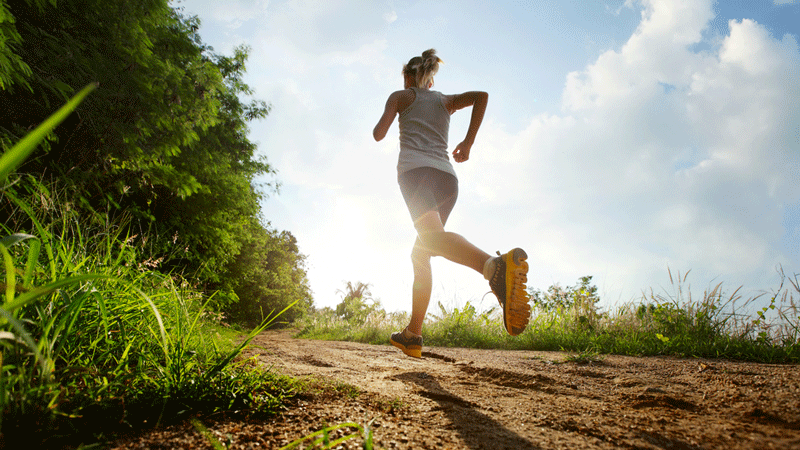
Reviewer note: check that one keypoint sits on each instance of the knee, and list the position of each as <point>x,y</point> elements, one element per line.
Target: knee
<point>421,259</point>
<point>429,238</point>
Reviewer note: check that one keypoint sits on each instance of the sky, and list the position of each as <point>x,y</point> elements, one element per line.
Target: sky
<point>625,140</point>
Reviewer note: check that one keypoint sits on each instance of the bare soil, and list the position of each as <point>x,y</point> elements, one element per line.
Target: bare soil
<point>488,399</point>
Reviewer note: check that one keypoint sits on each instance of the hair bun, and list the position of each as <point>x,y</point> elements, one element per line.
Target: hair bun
<point>423,68</point>
<point>430,60</point>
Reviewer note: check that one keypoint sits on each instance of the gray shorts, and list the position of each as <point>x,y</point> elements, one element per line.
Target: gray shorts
<point>427,189</point>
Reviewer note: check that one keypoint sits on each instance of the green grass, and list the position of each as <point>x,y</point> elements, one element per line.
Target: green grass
<point>94,339</point>
<point>718,325</point>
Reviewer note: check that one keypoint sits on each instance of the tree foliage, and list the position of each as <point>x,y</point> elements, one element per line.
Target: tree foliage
<point>157,92</point>
<point>579,300</point>
<point>583,293</point>
<point>272,273</point>
<point>163,139</point>
<point>357,303</point>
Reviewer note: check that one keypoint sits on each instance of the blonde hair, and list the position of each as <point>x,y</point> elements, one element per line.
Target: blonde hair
<point>423,68</point>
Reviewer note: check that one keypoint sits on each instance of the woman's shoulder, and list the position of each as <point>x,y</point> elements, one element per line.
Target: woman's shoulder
<point>403,98</point>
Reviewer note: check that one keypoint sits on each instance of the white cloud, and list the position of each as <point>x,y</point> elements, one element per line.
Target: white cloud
<point>316,26</point>
<point>233,14</point>
<point>750,47</point>
<point>662,157</point>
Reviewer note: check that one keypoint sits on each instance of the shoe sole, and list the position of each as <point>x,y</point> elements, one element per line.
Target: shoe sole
<point>415,351</point>
<point>517,312</point>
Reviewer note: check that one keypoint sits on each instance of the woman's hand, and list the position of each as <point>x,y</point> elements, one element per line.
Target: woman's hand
<point>461,152</point>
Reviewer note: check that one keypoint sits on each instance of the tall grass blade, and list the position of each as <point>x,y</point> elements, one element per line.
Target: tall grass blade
<point>255,332</point>
<point>12,158</point>
<point>12,239</point>
<point>41,230</point>
<point>25,337</point>
<point>161,329</point>
<point>11,279</point>
<point>101,303</point>
<point>206,433</point>
<point>322,436</point>
<point>66,324</point>
<point>35,293</point>
<point>30,265</point>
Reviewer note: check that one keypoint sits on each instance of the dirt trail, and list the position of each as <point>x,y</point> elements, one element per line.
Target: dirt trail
<point>489,399</point>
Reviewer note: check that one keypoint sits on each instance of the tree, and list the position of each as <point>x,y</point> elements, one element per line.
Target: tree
<point>153,96</point>
<point>215,220</point>
<point>162,140</point>
<point>357,303</point>
<point>583,293</point>
<point>270,275</point>
<point>13,70</point>
<point>579,300</point>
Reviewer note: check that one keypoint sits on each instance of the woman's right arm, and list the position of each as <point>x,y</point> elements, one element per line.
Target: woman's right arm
<point>397,103</point>
<point>389,112</point>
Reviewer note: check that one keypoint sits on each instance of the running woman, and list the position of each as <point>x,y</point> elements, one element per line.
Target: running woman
<point>429,186</point>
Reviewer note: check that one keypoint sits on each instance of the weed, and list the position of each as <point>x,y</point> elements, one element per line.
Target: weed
<point>396,403</point>
<point>207,435</point>
<point>588,356</point>
<point>322,437</point>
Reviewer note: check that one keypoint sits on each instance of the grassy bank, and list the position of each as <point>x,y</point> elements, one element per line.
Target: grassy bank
<point>718,325</point>
<point>96,341</point>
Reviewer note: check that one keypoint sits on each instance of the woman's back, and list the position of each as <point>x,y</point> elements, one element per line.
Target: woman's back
<point>424,127</point>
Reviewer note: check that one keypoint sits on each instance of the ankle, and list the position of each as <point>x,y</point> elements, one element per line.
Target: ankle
<point>410,334</point>
<point>489,267</point>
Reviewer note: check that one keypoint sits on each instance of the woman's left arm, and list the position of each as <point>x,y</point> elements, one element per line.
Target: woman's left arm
<point>478,100</point>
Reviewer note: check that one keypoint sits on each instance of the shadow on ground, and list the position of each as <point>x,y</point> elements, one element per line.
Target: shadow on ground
<point>475,428</point>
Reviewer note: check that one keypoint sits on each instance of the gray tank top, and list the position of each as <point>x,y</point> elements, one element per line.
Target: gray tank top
<point>424,126</point>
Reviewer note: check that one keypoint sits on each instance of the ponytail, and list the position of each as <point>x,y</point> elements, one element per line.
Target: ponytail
<point>423,68</point>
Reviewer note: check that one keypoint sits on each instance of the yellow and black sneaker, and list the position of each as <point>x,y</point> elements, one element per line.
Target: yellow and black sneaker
<point>508,284</point>
<point>411,346</point>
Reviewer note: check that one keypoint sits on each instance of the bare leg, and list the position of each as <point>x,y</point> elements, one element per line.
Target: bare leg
<point>450,245</point>
<point>432,240</point>
<point>421,291</point>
